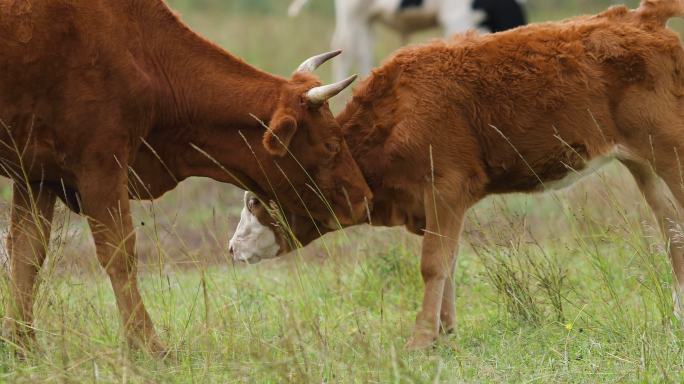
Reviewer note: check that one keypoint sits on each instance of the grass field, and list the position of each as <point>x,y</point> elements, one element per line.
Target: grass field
<point>572,286</point>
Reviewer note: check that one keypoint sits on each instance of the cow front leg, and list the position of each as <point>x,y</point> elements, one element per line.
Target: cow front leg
<point>447,315</point>
<point>27,242</point>
<point>440,244</point>
<point>354,35</point>
<point>106,204</point>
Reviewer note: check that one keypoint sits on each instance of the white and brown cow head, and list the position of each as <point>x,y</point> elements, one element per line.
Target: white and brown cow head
<point>264,233</point>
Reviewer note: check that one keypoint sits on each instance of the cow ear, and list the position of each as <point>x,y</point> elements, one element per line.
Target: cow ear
<point>279,134</point>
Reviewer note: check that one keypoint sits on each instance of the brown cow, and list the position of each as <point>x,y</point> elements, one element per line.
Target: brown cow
<point>102,99</point>
<point>440,126</point>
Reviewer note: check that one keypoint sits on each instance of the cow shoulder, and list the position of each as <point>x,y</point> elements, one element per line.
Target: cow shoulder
<point>16,20</point>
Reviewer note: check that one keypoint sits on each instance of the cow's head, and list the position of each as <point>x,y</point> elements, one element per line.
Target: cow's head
<point>304,129</point>
<point>264,233</point>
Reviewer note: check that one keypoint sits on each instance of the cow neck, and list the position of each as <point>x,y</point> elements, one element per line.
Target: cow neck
<point>210,106</point>
<point>201,83</point>
<point>367,127</point>
<point>368,121</point>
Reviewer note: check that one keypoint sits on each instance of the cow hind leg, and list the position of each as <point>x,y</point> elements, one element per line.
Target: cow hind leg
<point>27,242</point>
<point>106,204</point>
<point>668,214</point>
<point>671,171</point>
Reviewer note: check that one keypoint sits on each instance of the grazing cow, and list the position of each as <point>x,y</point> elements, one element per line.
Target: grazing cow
<point>440,126</point>
<point>110,99</point>
<point>355,19</point>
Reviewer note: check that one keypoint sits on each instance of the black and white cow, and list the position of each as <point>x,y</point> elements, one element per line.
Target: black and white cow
<point>355,19</point>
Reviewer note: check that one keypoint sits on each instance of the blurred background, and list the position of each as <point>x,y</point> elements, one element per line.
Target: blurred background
<point>260,32</point>
<point>192,224</point>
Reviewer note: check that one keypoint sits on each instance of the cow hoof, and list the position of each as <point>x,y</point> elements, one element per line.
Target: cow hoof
<point>151,346</point>
<point>420,342</point>
<point>167,355</point>
<point>20,338</point>
<point>158,349</point>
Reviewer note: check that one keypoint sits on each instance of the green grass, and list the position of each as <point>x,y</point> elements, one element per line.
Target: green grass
<point>346,318</point>
<point>569,287</point>
<point>342,309</point>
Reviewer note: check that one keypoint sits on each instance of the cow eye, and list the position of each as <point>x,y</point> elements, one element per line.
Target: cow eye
<point>252,204</point>
<point>332,146</point>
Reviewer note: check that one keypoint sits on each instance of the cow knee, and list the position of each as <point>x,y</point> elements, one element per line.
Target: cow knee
<point>434,271</point>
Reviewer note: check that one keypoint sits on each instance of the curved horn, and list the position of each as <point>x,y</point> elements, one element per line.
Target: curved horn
<point>319,95</point>
<point>312,63</point>
<point>249,195</point>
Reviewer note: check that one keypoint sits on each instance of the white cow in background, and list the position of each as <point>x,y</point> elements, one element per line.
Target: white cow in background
<point>355,19</point>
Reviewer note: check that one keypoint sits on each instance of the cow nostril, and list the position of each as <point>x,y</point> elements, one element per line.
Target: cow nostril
<point>231,250</point>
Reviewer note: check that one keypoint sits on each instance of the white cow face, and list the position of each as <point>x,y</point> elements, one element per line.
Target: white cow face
<point>253,241</point>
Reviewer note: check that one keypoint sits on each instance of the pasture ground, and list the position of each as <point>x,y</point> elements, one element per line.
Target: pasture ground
<point>571,286</point>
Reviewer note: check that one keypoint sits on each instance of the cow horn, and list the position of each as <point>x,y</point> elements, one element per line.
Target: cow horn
<point>319,95</point>
<point>310,64</point>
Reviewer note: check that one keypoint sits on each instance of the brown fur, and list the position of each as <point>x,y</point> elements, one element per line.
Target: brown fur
<point>102,99</point>
<point>442,125</point>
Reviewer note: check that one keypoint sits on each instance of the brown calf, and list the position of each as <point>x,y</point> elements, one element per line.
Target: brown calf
<point>440,126</point>
<point>110,99</point>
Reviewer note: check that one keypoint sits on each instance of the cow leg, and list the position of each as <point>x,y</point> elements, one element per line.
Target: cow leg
<point>670,170</point>
<point>440,245</point>
<point>365,45</point>
<point>447,315</point>
<point>106,204</point>
<point>354,35</point>
<point>668,217</point>
<point>27,242</point>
